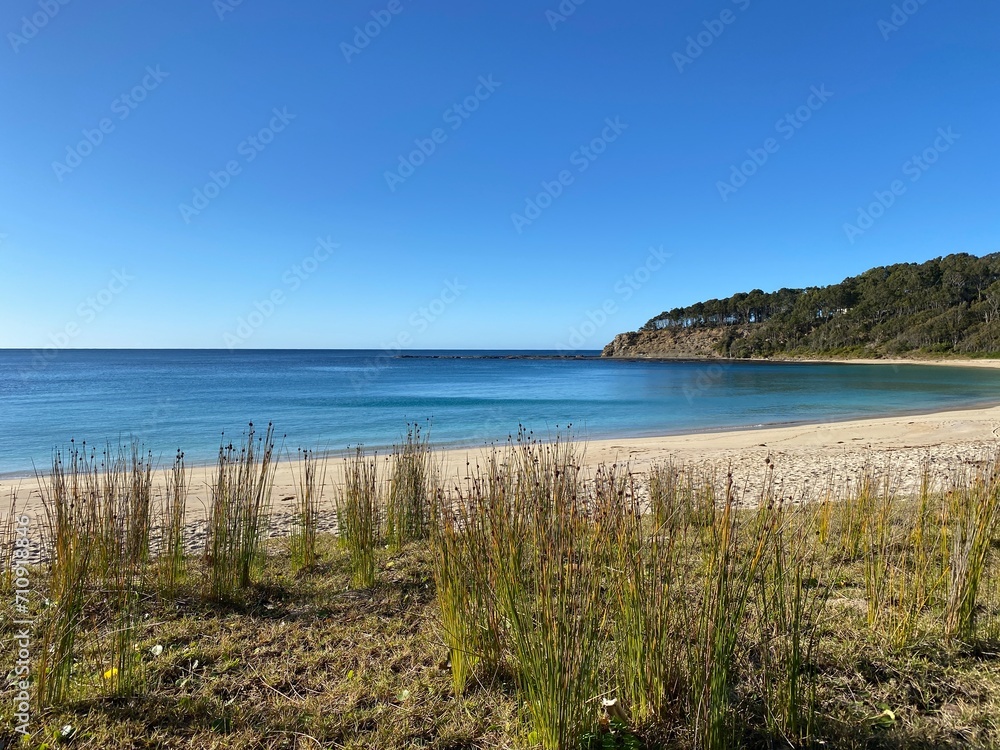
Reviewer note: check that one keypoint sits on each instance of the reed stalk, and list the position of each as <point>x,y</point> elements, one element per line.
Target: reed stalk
<point>790,602</point>
<point>977,519</point>
<point>239,514</point>
<point>68,494</point>
<point>459,594</point>
<point>172,564</point>
<point>408,503</point>
<point>310,484</point>
<point>359,516</point>
<point>649,653</point>
<point>731,570</point>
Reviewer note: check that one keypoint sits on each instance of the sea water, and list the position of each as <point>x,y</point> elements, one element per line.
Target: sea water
<point>335,400</point>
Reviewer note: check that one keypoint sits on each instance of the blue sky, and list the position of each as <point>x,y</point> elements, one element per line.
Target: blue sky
<point>430,174</point>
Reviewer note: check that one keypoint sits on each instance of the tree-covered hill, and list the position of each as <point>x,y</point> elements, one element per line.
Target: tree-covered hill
<point>946,305</point>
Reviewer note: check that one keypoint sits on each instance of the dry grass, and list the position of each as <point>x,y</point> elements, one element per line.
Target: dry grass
<point>543,592</point>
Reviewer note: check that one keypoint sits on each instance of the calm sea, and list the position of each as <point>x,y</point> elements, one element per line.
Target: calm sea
<point>332,400</point>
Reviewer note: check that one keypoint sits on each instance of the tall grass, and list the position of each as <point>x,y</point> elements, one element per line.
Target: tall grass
<point>481,530</point>
<point>98,525</point>
<point>976,513</point>
<point>123,512</point>
<point>877,533</point>
<point>68,494</point>
<point>408,503</point>
<point>790,601</point>
<point>521,560</point>
<point>239,513</point>
<point>646,559</point>
<point>663,486</point>
<point>681,497</point>
<point>8,542</point>
<point>172,564</point>
<point>459,598</point>
<point>732,564</point>
<point>853,514</point>
<point>551,595</point>
<point>310,484</point>
<point>359,516</point>
<point>698,614</point>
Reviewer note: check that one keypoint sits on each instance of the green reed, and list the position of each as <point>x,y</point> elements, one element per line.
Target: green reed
<point>459,597</point>
<point>408,502</point>
<point>359,516</point>
<point>239,513</point>
<point>68,494</point>
<point>790,603</point>
<point>976,513</point>
<point>732,562</point>
<point>172,563</point>
<point>648,621</point>
<point>310,484</point>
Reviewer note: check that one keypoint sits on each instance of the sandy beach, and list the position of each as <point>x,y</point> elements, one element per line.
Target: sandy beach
<point>807,460</point>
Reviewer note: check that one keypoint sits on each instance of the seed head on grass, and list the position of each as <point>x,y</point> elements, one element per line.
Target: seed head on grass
<point>408,503</point>
<point>171,551</point>
<point>310,484</point>
<point>239,513</point>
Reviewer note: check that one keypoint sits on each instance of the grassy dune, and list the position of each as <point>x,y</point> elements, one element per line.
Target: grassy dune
<point>536,604</point>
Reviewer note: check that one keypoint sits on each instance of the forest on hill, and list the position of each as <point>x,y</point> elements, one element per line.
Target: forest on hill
<point>948,305</point>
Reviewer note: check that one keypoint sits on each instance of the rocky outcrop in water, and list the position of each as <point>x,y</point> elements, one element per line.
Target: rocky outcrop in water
<point>671,343</point>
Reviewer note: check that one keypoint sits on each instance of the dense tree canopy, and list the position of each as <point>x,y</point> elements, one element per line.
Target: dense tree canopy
<point>949,304</point>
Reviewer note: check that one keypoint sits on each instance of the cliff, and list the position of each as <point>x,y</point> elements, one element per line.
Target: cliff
<point>676,343</point>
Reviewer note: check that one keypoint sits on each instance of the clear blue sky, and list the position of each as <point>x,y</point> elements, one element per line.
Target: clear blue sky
<point>181,88</point>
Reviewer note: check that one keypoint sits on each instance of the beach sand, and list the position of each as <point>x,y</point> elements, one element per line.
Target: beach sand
<point>807,460</point>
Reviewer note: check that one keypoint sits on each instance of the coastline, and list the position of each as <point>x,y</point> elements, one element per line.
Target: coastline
<point>804,460</point>
<point>894,361</point>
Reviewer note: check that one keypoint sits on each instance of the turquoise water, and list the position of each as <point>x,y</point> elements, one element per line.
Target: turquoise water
<point>335,399</point>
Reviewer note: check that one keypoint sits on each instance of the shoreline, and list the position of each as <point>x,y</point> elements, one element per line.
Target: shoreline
<point>443,449</point>
<point>894,361</point>
<point>9,479</point>
<point>804,460</point>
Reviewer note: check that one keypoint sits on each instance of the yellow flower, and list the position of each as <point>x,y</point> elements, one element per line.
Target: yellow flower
<point>110,674</point>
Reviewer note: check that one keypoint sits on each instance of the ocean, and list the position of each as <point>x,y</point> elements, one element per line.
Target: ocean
<point>335,400</point>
